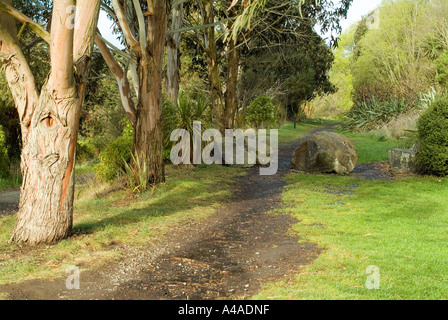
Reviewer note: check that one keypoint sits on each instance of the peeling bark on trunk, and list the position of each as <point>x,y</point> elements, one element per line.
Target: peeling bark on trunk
<point>148,48</point>
<point>46,203</point>
<point>148,135</point>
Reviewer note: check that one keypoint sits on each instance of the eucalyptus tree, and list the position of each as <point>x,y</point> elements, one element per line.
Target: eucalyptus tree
<point>49,120</point>
<point>142,25</point>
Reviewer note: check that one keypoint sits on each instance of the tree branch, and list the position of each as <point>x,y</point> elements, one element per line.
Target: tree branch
<point>114,48</point>
<point>109,10</point>
<point>19,76</point>
<point>141,25</point>
<point>87,12</point>
<point>32,43</point>
<point>61,49</point>
<point>122,81</point>
<point>130,39</point>
<point>37,28</point>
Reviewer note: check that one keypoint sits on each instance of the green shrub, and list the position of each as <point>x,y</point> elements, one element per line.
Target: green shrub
<point>433,135</point>
<point>85,150</point>
<point>4,161</point>
<point>262,113</point>
<point>111,158</point>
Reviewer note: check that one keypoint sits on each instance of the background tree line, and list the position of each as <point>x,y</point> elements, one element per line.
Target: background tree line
<point>392,79</point>
<point>386,73</point>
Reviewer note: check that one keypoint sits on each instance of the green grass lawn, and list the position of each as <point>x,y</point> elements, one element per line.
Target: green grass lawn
<point>288,133</point>
<point>373,147</point>
<point>399,226</point>
<point>10,183</point>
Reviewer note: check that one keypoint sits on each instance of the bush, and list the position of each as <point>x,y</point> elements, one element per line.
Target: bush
<point>262,113</point>
<point>85,150</point>
<point>4,161</point>
<point>433,135</point>
<point>111,158</point>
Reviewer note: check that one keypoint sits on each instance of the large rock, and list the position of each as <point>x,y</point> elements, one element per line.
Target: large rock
<point>325,152</point>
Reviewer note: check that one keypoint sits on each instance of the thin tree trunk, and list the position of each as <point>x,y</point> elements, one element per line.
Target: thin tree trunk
<point>173,57</point>
<point>213,69</point>
<point>122,81</point>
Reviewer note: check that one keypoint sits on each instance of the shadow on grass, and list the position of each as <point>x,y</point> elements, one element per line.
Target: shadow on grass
<point>191,191</point>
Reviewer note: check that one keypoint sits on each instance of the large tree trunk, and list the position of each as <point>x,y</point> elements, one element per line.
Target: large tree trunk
<point>50,123</point>
<point>173,56</point>
<point>148,133</point>
<point>146,116</point>
<point>46,204</point>
<point>148,142</point>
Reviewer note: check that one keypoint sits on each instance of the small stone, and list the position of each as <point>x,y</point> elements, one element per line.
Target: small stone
<point>403,160</point>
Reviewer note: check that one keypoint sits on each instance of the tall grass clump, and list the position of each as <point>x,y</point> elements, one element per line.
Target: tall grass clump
<point>111,158</point>
<point>136,174</point>
<point>371,114</point>
<point>190,107</point>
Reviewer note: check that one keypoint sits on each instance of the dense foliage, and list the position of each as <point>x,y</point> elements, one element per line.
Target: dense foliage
<point>331,104</point>
<point>292,71</point>
<point>395,60</point>
<point>4,161</point>
<point>398,59</point>
<point>261,113</point>
<point>442,69</point>
<point>368,115</point>
<point>433,134</point>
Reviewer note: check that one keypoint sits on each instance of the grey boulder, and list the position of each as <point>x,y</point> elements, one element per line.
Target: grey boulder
<point>325,152</point>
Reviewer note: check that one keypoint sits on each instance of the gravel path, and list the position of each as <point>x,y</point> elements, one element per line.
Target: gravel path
<point>9,201</point>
